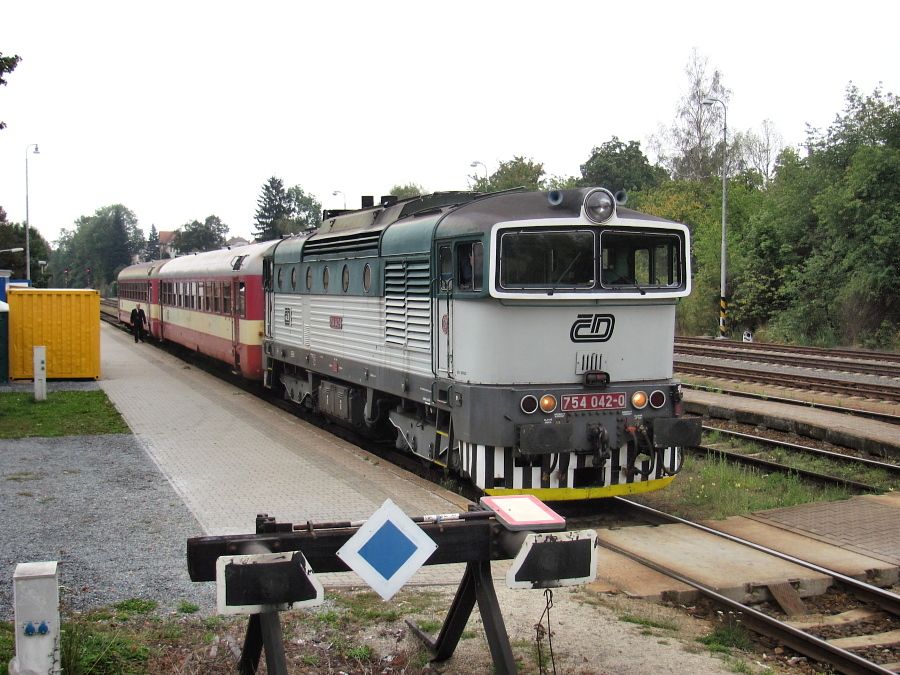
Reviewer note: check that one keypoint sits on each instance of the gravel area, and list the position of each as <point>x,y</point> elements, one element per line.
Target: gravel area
<point>99,506</point>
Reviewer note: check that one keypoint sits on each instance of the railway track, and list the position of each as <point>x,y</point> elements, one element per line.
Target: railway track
<point>884,392</point>
<point>819,352</point>
<point>794,633</point>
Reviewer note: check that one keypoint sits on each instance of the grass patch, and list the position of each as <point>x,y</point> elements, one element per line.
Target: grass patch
<point>716,488</point>
<point>648,623</point>
<point>726,637</point>
<point>186,607</point>
<point>64,413</point>
<point>98,650</point>
<point>127,608</point>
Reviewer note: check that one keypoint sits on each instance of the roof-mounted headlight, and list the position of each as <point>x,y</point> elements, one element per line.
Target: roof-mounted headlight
<point>599,205</point>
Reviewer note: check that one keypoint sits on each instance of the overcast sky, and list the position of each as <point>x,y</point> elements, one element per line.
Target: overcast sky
<point>179,110</point>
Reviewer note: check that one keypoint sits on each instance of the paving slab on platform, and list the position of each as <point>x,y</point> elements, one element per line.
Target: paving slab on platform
<point>869,525</point>
<point>839,559</point>
<point>731,569</point>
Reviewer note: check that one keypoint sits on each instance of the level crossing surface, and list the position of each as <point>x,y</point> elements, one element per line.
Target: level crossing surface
<point>230,455</point>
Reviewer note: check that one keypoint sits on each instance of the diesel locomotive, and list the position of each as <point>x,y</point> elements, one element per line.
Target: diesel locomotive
<point>523,340</point>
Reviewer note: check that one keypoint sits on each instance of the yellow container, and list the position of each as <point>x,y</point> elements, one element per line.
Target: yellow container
<point>65,321</point>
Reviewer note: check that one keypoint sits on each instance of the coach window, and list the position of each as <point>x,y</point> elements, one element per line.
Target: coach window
<point>325,278</point>
<point>242,309</point>
<point>294,278</point>
<point>226,298</point>
<point>309,277</point>
<point>367,277</point>
<point>345,278</point>
<point>217,297</point>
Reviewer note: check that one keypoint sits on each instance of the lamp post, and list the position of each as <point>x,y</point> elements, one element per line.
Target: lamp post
<point>27,222</point>
<point>723,302</point>
<point>477,163</point>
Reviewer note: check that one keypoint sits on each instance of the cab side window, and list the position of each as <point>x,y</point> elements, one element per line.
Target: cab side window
<point>470,266</point>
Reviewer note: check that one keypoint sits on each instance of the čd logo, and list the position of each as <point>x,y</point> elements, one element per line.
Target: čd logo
<point>592,328</point>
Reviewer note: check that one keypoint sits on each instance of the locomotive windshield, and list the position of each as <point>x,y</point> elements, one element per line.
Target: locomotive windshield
<point>568,260</point>
<point>547,259</point>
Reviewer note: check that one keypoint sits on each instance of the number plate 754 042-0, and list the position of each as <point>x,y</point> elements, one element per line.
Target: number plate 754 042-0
<point>614,400</point>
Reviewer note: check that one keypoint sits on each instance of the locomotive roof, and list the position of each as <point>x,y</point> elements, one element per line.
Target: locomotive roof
<point>141,271</point>
<point>410,225</point>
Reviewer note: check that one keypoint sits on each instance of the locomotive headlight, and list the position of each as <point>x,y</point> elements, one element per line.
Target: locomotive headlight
<point>529,404</point>
<point>639,399</point>
<point>599,205</point>
<point>548,403</point>
<point>657,399</point>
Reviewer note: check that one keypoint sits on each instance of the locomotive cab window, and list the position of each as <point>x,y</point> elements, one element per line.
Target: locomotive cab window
<point>640,260</point>
<point>547,259</point>
<point>470,266</point>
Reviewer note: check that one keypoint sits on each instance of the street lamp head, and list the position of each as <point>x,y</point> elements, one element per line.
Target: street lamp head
<point>474,164</point>
<point>336,193</point>
<point>18,249</point>
<point>37,150</point>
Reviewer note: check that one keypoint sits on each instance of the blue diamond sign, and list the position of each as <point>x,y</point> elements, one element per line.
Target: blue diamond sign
<point>387,550</point>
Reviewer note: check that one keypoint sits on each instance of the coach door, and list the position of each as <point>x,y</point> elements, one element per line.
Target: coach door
<point>238,309</point>
<point>441,322</point>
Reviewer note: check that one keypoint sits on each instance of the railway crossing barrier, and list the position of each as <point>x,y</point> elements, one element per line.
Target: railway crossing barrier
<point>274,568</point>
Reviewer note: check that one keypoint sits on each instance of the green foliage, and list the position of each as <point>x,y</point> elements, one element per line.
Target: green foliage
<point>126,608</point>
<point>728,636</point>
<point>517,172</point>
<point>12,235</point>
<point>820,254</point>
<point>186,607</point>
<point>408,190</point>
<point>617,166</point>
<point>282,212</point>
<point>151,251</point>
<point>99,247</point>
<point>64,413</point>
<point>306,211</point>
<point>7,65</point>
<point>198,237</point>
<point>273,210</point>
<point>89,649</point>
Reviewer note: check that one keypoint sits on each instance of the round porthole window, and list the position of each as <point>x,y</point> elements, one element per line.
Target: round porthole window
<point>345,278</point>
<point>280,273</point>
<point>367,277</point>
<point>293,278</point>
<point>309,278</point>
<point>325,278</point>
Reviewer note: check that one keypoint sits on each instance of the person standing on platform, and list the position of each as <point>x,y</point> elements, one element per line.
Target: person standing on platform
<point>138,321</point>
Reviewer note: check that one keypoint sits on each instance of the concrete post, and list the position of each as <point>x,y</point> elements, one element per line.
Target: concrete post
<point>40,373</point>
<point>36,601</point>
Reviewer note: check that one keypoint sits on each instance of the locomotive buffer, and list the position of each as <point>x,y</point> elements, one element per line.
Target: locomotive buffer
<point>273,570</point>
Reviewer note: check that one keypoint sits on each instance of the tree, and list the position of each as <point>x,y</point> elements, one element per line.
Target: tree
<point>762,149</point>
<point>196,237</point>
<point>7,65</point>
<point>688,148</point>
<point>617,166</point>
<point>99,247</point>
<point>273,210</point>
<point>12,235</point>
<point>517,172</point>
<point>408,190</point>
<point>305,213</point>
<point>151,251</point>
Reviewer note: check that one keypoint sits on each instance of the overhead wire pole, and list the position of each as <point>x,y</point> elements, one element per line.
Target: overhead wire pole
<point>723,300</point>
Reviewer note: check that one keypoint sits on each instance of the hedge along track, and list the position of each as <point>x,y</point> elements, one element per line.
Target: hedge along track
<point>785,633</point>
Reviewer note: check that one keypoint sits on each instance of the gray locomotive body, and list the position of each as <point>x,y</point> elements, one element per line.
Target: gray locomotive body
<point>522,339</point>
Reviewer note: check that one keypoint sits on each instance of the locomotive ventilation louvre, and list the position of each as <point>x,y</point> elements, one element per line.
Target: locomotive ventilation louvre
<point>407,304</point>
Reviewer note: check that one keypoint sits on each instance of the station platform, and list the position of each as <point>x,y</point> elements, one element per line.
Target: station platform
<point>866,435</point>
